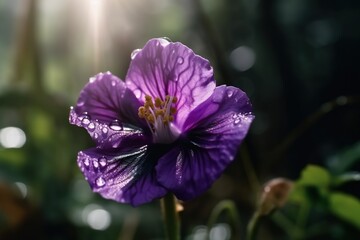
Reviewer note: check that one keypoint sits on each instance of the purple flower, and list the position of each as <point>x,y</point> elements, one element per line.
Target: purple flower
<point>167,128</point>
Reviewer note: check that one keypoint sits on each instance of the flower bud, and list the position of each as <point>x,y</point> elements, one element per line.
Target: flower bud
<point>274,195</point>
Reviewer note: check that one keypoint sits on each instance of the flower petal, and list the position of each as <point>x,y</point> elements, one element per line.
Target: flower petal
<point>125,177</point>
<point>110,135</point>
<point>106,98</point>
<point>164,68</point>
<point>215,130</point>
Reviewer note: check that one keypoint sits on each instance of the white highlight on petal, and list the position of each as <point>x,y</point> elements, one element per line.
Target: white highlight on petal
<point>243,58</point>
<point>12,137</point>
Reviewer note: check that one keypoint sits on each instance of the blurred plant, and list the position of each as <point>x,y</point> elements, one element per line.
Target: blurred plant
<point>310,205</point>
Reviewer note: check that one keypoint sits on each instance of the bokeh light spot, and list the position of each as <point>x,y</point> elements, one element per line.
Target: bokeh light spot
<point>96,217</point>
<point>22,188</point>
<point>12,137</point>
<point>220,231</point>
<point>242,58</point>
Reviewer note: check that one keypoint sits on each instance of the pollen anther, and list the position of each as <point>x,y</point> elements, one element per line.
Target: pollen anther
<point>158,113</point>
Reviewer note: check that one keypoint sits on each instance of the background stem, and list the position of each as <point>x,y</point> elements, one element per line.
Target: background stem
<point>171,217</point>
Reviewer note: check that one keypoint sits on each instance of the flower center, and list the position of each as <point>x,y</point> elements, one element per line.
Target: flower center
<point>159,115</point>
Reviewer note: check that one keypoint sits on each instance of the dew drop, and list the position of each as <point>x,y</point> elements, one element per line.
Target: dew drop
<point>173,77</point>
<point>92,79</point>
<point>96,136</point>
<point>115,125</point>
<point>137,93</point>
<point>167,39</point>
<point>72,117</point>
<point>229,92</point>
<point>100,182</point>
<point>105,130</point>
<point>102,162</point>
<point>91,126</point>
<point>85,121</point>
<point>237,121</point>
<point>82,116</point>
<point>180,60</point>
<point>113,83</point>
<point>95,163</point>
<point>134,53</point>
<point>86,162</point>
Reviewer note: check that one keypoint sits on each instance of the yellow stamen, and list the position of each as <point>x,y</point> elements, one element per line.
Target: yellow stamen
<point>158,102</point>
<point>158,111</point>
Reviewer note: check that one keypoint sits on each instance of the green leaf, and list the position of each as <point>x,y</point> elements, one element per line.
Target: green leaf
<point>346,207</point>
<point>315,176</point>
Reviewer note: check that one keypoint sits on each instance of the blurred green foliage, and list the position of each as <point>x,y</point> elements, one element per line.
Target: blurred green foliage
<point>317,203</point>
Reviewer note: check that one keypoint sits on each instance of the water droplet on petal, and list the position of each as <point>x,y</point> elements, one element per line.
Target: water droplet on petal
<point>173,77</point>
<point>82,116</point>
<point>113,83</point>
<point>96,135</point>
<point>105,130</point>
<point>100,182</point>
<point>85,121</point>
<point>237,121</point>
<point>91,126</point>
<point>229,92</point>
<point>102,161</point>
<point>167,39</point>
<point>137,93</point>
<point>115,125</point>
<point>134,53</point>
<point>86,162</point>
<point>180,60</point>
<point>72,116</point>
<point>92,79</point>
<point>95,163</point>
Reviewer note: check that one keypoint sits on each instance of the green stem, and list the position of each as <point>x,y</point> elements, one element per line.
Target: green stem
<point>228,207</point>
<point>285,224</point>
<point>171,217</point>
<point>252,226</point>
